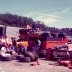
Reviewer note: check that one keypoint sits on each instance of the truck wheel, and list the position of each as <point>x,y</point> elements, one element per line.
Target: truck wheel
<point>31,55</point>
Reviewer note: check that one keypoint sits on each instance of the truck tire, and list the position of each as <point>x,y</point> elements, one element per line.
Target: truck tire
<point>31,55</point>
<point>27,59</point>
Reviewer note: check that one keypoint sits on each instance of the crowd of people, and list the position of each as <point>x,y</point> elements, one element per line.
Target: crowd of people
<point>13,48</point>
<point>6,47</point>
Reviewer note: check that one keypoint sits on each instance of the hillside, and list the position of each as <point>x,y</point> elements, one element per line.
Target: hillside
<point>20,21</point>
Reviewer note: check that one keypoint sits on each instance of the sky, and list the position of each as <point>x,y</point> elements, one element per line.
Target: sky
<point>54,13</point>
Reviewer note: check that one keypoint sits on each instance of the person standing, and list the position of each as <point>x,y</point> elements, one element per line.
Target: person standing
<point>14,43</point>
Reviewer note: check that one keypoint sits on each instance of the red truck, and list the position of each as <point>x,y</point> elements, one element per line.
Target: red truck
<point>48,40</point>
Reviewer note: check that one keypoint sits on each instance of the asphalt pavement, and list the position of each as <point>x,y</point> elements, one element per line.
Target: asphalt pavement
<point>45,66</point>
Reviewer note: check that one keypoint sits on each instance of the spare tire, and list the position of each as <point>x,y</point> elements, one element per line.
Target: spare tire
<point>27,59</point>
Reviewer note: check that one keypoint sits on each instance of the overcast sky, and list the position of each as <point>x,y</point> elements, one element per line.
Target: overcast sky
<point>54,13</point>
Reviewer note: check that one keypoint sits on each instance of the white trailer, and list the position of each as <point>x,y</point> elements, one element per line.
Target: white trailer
<point>2,31</point>
<point>12,32</point>
<point>9,31</point>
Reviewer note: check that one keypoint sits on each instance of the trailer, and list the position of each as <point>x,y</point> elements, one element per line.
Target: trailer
<point>2,31</point>
<point>8,31</point>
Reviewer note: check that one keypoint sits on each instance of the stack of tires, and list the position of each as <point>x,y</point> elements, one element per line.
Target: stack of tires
<point>28,57</point>
<point>33,55</point>
<point>22,58</point>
